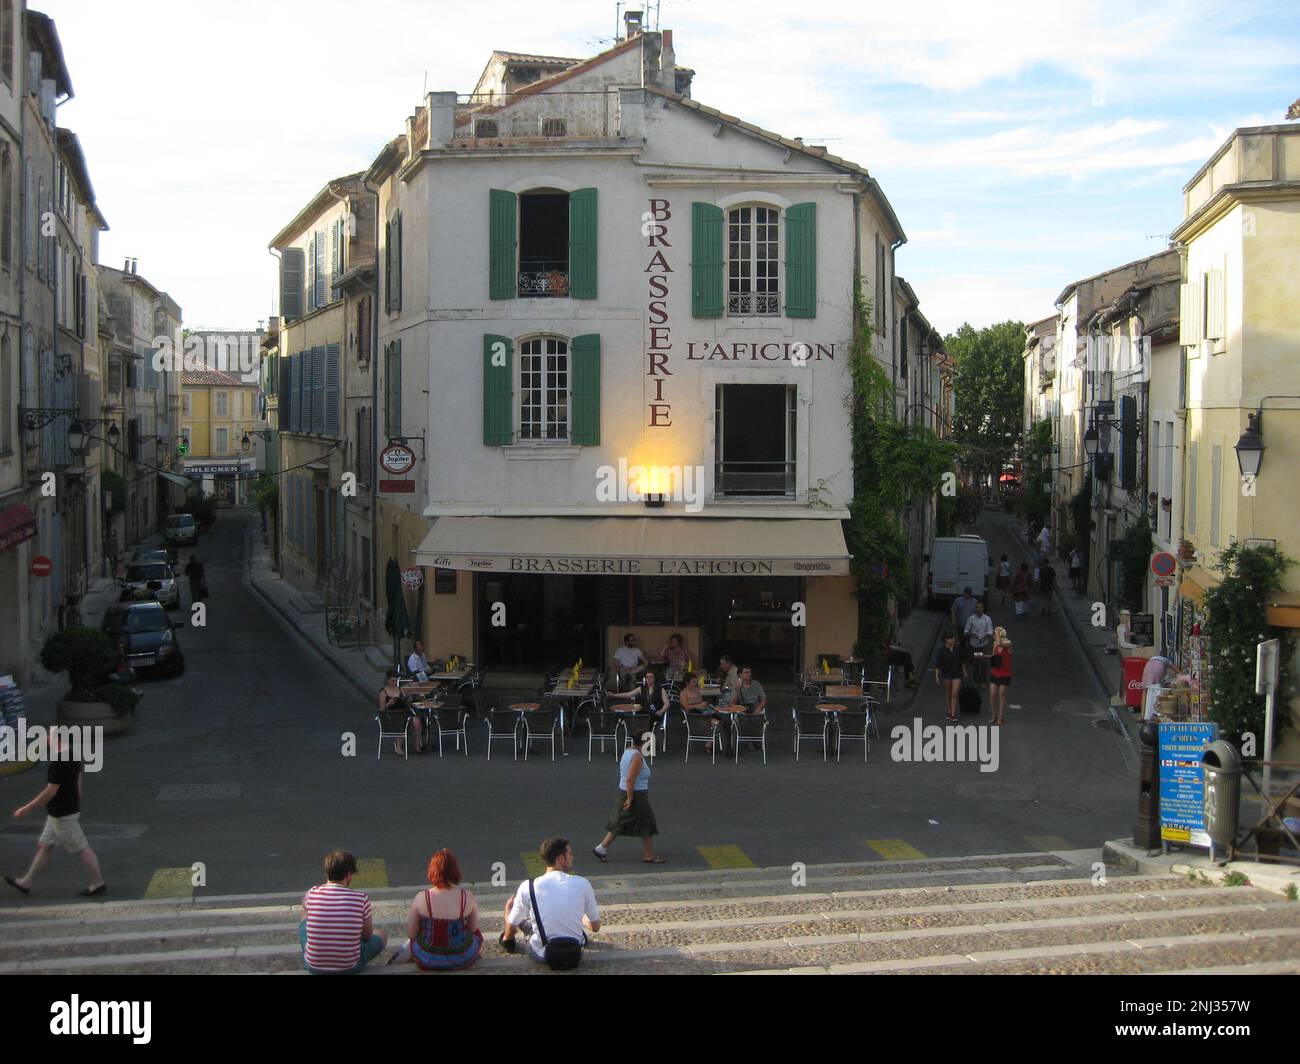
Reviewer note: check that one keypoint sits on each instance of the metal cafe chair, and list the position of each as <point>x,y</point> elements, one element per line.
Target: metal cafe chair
<point>749,728</point>
<point>503,724</point>
<point>540,726</point>
<point>394,723</point>
<point>811,724</point>
<point>450,721</point>
<point>602,725</point>
<point>700,729</point>
<point>853,726</point>
<point>635,727</point>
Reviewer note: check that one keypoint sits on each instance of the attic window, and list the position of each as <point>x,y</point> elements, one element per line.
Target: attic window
<point>553,127</point>
<point>486,128</point>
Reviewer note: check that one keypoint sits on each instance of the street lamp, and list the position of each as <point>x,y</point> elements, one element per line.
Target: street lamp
<point>77,438</point>
<point>1091,439</point>
<point>1250,448</point>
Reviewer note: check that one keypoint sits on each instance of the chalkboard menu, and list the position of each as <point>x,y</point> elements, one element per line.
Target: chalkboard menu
<point>444,581</point>
<point>654,600</point>
<point>1142,632</point>
<point>611,600</point>
<point>692,600</point>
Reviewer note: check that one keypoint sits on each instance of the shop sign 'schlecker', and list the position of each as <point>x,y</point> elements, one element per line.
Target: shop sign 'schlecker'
<point>397,459</point>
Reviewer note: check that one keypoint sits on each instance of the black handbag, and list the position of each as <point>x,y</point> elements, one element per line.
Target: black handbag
<point>561,954</point>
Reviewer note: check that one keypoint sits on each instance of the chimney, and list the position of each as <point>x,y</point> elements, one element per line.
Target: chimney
<point>632,23</point>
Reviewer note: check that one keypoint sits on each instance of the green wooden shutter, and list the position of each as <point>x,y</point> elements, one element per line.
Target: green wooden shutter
<point>291,270</point>
<point>498,390</point>
<point>584,366</point>
<point>388,267</point>
<point>397,261</point>
<point>502,282</point>
<point>706,260</point>
<point>801,261</point>
<point>1128,466</point>
<point>582,243</point>
<point>332,369</point>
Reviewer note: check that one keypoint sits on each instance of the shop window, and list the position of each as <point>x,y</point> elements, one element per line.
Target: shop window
<point>754,447</point>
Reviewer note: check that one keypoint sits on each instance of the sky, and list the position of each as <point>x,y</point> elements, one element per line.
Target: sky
<point>1022,145</point>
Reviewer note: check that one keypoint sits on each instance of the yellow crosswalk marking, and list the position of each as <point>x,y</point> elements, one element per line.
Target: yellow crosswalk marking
<point>171,883</point>
<point>896,850</point>
<point>371,872</point>
<point>725,857</point>
<point>1048,842</point>
<point>533,863</point>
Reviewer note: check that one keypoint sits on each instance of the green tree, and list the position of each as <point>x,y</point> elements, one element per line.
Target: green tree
<point>990,391</point>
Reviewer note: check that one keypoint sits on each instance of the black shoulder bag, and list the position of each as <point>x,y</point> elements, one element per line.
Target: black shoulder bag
<point>560,954</point>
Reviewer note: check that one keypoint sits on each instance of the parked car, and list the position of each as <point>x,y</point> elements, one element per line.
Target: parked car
<point>181,530</point>
<point>151,580</point>
<point>153,554</point>
<point>145,636</point>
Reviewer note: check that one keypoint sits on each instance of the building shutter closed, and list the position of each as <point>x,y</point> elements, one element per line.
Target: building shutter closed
<point>291,284</point>
<point>706,260</point>
<point>801,261</point>
<point>502,283</point>
<point>585,360</point>
<point>1190,313</point>
<point>334,256</point>
<point>397,261</point>
<point>332,390</point>
<point>498,378</point>
<point>582,243</point>
<point>1128,441</point>
<point>321,298</point>
<point>311,274</point>
<point>318,389</point>
<point>291,396</point>
<point>393,390</point>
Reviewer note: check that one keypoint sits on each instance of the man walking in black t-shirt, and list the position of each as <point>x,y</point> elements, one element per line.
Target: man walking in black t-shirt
<point>61,799</point>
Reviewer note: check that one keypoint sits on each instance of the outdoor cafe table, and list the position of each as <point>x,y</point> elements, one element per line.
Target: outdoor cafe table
<point>844,691</point>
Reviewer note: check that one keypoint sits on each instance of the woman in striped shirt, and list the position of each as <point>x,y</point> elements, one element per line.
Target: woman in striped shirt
<point>337,933</point>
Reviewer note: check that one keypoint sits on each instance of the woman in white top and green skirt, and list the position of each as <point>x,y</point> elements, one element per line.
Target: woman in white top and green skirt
<point>632,815</point>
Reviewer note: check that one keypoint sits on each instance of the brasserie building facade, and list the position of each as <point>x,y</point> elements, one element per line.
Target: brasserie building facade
<point>615,329</point>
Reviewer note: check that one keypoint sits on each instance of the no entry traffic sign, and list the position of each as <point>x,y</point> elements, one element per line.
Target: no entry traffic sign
<point>42,566</point>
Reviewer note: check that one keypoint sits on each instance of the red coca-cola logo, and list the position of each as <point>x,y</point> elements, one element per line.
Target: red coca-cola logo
<point>1135,685</point>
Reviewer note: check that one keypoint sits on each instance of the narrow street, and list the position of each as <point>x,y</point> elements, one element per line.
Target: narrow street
<point>238,765</point>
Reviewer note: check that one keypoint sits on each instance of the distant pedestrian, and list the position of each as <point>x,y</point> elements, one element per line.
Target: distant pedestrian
<point>61,800</point>
<point>1076,568</point>
<point>1044,541</point>
<point>1021,585</point>
<point>337,933</point>
<point>632,815</point>
<point>1003,583</point>
<point>963,609</point>
<point>947,671</point>
<point>1000,675</point>
<point>198,580</point>
<point>1047,585</point>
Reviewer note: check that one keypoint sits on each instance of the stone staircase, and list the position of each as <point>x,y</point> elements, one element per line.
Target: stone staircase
<point>1010,913</point>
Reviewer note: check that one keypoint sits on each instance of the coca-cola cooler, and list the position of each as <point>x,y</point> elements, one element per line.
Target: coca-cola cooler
<point>1133,681</point>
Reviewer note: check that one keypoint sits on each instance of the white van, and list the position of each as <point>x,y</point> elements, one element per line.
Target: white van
<point>956,563</point>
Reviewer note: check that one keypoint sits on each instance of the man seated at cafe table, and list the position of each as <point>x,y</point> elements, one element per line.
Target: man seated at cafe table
<point>417,664</point>
<point>750,694</point>
<point>728,681</point>
<point>646,697</point>
<point>629,661</point>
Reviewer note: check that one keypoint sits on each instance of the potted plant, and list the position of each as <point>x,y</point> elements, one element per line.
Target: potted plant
<point>88,656</point>
<point>1187,551</point>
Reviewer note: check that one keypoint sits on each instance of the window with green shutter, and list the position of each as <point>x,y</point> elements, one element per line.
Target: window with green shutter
<point>585,369</point>
<point>397,261</point>
<point>332,369</point>
<point>801,261</point>
<point>706,260</point>
<point>393,389</point>
<point>498,390</point>
<point>501,244</point>
<point>582,244</point>
<point>317,389</point>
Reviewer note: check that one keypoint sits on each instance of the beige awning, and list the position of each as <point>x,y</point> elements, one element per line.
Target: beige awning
<point>639,546</point>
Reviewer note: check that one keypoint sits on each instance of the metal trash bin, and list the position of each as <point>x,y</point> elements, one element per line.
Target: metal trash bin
<point>1221,767</point>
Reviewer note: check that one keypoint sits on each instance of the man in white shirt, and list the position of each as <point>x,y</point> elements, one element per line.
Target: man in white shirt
<point>629,662</point>
<point>979,639</point>
<point>1044,541</point>
<point>417,664</point>
<point>567,903</point>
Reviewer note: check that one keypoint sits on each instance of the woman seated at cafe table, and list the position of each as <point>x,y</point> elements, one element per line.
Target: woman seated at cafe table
<point>648,697</point>
<point>692,701</point>
<point>391,697</point>
<point>676,656</point>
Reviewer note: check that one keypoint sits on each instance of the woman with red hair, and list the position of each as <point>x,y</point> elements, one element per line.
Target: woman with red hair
<point>442,923</point>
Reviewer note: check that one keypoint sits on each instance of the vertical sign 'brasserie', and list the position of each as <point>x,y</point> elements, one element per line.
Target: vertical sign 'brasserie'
<point>660,342</point>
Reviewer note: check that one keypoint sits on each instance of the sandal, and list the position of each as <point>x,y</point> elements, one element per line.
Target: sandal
<point>507,944</point>
<point>14,883</point>
<point>656,859</point>
<point>603,858</point>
